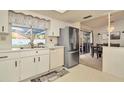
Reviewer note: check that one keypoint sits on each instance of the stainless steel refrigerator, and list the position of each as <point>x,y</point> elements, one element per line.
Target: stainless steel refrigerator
<point>69,38</point>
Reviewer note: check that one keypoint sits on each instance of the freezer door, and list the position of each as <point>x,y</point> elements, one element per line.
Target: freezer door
<point>71,59</point>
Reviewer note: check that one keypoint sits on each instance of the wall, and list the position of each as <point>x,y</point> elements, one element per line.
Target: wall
<point>118,26</point>
<point>113,61</point>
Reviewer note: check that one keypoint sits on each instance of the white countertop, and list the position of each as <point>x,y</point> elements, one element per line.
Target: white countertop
<point>29,49</point>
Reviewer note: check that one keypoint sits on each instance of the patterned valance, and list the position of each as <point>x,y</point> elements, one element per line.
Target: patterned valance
<point>28,20</point>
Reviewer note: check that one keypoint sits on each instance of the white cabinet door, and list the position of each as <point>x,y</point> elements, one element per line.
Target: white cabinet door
<point>9,70</point>
<point>28,67</point>
<point>56,57</point>
<point>60,52</point>
<point>54,28</point>
<point>53,59</point>
<point>4,21</point>
<point>42,64</point>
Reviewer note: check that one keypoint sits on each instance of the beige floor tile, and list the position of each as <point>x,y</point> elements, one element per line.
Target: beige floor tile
<point>82,73</point>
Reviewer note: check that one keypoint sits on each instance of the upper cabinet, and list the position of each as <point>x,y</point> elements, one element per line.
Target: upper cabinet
<point>54,28</point>
<point>4,21</point>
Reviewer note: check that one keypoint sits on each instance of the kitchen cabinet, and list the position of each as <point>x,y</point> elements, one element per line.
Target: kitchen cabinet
<point>28,67</point>
<point>56,57</point>
<point>9,70</point>
<point>54,29</point>
<point>60,56</point>
<point>34,63</point>
<point>21,65</point>
<point>4,24</point>
<point>42,63</point>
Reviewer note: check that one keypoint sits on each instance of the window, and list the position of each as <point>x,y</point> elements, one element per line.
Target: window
<point>39,36</point>
<point>22,36</point>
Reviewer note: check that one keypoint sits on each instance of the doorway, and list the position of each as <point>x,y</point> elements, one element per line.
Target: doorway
<point>85,42</point>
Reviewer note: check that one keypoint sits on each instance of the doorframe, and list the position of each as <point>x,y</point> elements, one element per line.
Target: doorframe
<point>91,36</point>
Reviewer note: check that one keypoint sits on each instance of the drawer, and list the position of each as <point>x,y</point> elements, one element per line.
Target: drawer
<point>27,53</point>
<point>42,52</point>
<point>9,55</point>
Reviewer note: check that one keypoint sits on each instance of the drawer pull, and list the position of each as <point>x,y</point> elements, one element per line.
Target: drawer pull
<point>34,60</point>
<point>39,59</point>
<point>52,48</point>
<point>15,63</point>
<point>3,57</point>
<point>2,28</point>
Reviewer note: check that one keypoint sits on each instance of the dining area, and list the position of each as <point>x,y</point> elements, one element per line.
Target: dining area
<point>97,49</point>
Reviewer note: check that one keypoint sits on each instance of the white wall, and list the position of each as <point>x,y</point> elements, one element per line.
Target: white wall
<point>113,61</point>
<point>118,25</point>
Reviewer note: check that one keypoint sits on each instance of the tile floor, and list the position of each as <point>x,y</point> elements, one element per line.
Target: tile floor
<point>93,62</point>
<point>82,73</point>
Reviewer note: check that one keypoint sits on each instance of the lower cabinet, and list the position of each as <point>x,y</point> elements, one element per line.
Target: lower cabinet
<point>9,70</point>
<point>28,67</point>
<point>31,66</point>
<point>56,57</point>
<point>21,67</point>
<point>42,64</point>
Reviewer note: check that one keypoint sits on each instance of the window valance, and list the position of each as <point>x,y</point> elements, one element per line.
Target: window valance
<point>28,20</point>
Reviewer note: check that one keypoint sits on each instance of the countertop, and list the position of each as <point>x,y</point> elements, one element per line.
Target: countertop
<point>29,49</point>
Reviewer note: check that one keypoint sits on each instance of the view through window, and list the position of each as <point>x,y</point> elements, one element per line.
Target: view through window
<point>22,36</point>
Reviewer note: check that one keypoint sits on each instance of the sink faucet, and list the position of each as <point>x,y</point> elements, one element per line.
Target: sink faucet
<point>31,42</point>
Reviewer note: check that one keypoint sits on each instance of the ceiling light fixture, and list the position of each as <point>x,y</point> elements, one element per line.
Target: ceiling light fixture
<point>61,11</point>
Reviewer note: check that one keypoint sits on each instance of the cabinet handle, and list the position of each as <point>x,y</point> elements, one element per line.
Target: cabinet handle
<point>2,28</point>
<point>39,59</point>
<point>15,63</point>
<point>3,57</point>
<point>52,48</point>
<point>34,60</point>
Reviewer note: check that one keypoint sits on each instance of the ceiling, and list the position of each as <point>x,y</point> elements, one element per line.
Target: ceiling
<point>73,15</point>
<point>103,20</point>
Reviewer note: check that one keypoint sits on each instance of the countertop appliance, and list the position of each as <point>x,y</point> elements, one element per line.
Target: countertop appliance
<point>69,38</point>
